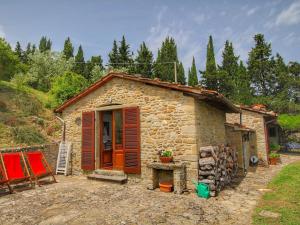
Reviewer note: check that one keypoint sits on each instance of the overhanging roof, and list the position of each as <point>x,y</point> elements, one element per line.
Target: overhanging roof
<point>212,97</point>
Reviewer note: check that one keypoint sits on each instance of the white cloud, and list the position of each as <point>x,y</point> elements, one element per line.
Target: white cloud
<point>199,18</point>
<point>252,11</point>
<point>289,16</point>
<point>2,34</point>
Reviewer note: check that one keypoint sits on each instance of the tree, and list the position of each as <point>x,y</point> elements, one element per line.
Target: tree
<point>180,74</point>
<point>19,52</point>
<point>91,64</point>
<point>68,49</point>
<point>45,44</point>
<point>113,56</point>
<point>45,66</point>
<point>260,66</point>
<point>125,56</point>
<point>210,76</point>
<point>166,57</point>
<point>9,61</point>
<point>67,85</point>
<point>192,76</point>
<point>227,72</point>
<point>79,67</point>
<point>97,73</point>
<point>144,61</point>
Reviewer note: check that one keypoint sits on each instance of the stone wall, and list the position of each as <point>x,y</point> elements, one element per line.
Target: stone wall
<point>254,121</point>
<point>234,139</point>
<point>168,119</point>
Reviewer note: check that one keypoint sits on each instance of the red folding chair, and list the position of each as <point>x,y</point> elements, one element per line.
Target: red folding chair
<point>16,168</point>
<point>39,166</point>
<point>3,175</point>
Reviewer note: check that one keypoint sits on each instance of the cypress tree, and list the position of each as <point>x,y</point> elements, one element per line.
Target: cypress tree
<point>27,53</point>
<point>209,76</point>
<point>167,54</point>
<point>125,57</point>
<point>68,49</point>
<point>144,61</point>
<point>113,56</point>
<point>260,66</point>
<point>192,76</point>
<point>242,89</point>
<point>180,74</point>
<point>79,67</point>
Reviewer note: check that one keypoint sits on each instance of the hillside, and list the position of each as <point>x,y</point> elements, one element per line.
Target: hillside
<point>24,118</point>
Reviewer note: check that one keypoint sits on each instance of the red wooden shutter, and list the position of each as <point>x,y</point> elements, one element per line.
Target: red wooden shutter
<point>88,141</point>
<point>131,137</point>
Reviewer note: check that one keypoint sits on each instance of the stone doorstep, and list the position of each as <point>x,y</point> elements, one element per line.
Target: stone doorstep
<point>116,179</point>
<point>119,173</point>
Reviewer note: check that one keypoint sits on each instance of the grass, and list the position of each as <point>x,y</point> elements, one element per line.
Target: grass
<point>289,122</point>
<point>283,199</point>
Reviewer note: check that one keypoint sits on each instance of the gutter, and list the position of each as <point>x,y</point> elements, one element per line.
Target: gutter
<point>63,128</point>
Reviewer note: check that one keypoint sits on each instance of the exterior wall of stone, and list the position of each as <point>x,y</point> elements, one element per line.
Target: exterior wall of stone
<point>254,121</point>
<point>234,139</point>
<point>168,120</point>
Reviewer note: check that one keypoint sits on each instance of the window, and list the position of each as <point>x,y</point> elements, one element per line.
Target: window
<point>118,127</point>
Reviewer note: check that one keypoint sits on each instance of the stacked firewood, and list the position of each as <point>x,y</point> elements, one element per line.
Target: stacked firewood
<point>217,166</point>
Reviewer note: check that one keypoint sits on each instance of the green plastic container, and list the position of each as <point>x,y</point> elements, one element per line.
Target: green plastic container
<point>202,189</point>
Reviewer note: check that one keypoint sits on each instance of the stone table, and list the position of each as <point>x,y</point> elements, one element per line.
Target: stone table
<point>179,175</point>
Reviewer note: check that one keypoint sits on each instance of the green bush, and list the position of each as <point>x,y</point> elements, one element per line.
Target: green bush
<point>27,135</point>
<point>289,122</point>
<point>66,86</point>
<point>274,155</point>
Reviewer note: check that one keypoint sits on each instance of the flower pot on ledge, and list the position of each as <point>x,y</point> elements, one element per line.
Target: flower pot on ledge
<point>166,159</point>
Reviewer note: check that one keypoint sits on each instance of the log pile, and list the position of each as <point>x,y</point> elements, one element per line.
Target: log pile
<point>217,166</point>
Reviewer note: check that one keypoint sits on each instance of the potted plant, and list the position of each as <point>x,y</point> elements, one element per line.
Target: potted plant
<point>166,156</point>
<point>274,158</point>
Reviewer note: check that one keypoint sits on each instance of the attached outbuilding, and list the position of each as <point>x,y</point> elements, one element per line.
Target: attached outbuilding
<point>121,121</point>
<point>263,122</point>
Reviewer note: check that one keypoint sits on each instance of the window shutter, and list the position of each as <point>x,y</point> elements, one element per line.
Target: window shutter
<point>131,137</point>
<point>88,141</point>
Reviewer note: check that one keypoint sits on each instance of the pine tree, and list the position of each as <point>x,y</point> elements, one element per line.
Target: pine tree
<point>181,74</point>
<point>144,61</point>
<point>27,53</point>
<point>68,49</point>
<point>192,76</point>
<point>209,76</point>
<point>125,56</point>
<point>242,89</point>
<point>260,66</point>
<point>79,67</point>
<point>45,44</point>
<point>33,48</point>
<point>19,52</point>
<point>113,56</point>
<point>164,66</point>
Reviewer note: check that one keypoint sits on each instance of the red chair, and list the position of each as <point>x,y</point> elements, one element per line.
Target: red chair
<point>3,175</point>
<point>39,166</point>
<point>16,168</point>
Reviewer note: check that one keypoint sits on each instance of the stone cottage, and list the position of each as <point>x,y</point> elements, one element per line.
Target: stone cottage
<point>121,121</point>
<point>264,122</point>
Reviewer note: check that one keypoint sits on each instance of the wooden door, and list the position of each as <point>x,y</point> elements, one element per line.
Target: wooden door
<point>118,149</point>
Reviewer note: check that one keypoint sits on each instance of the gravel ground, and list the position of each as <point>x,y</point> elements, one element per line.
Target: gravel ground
<point>76,200</point>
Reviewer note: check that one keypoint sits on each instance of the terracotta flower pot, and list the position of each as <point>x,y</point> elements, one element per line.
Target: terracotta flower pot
<point>165,159</point>
<point>273,161</point>
<point>165,186</point>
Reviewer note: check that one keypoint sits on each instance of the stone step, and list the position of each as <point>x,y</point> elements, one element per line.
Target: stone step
<point>117,179</point>
<point>110,172</point>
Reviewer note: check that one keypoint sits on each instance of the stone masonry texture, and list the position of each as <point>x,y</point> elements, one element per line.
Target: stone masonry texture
<point>168,120</point>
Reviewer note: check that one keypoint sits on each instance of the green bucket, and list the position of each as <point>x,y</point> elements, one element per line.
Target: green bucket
<point>202,189</point>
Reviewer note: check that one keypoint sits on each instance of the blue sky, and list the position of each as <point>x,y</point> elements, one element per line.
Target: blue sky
<point>95,24</point>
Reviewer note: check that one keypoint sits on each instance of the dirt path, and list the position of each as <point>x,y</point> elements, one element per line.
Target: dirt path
<point>76,200</point>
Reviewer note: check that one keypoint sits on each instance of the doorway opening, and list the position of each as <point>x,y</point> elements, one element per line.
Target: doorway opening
<point>111,140</point>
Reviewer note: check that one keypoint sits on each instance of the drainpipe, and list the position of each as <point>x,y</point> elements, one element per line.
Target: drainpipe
<point>63,128</point>
<point>241,119</point>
